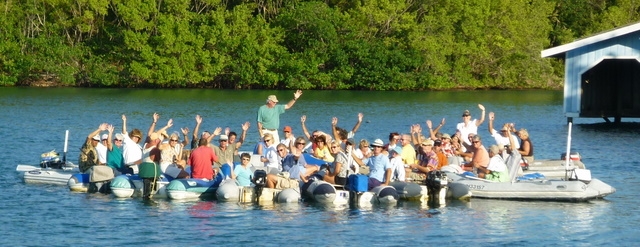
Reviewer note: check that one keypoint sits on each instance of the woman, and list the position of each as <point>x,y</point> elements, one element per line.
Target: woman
<point>321,151</point>
<point>242,173</point>
<point>171,161</point>
<point>338,171</point>
<point>526,147</point>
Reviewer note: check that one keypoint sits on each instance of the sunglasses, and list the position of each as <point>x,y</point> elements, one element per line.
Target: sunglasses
<point>246,159</point>
<point>173,140</point>
<point>334,146</point>
<point>476,142</point>
<point>281,150</point>
<point>300,143</point>
<point>223,140</point>
<point>267,140</point>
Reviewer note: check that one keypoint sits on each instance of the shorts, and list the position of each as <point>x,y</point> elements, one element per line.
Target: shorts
<point>286,183</point>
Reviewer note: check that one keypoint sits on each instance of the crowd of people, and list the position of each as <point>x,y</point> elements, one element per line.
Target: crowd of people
<point>403,157</point>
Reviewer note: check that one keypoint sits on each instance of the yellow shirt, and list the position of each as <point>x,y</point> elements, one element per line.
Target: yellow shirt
<point>408,155</point>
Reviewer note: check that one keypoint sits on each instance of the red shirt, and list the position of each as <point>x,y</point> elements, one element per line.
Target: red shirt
<point>201,161</point>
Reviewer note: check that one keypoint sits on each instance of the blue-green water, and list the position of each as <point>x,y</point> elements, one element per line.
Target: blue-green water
<point>33,121</point>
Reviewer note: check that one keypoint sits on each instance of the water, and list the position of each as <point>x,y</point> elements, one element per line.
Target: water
<point>38,215</point>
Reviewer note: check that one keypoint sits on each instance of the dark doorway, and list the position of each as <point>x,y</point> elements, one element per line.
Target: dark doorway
<point>611,88</point>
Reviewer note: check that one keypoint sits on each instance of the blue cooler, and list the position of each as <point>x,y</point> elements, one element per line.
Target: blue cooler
<point>358,183</point>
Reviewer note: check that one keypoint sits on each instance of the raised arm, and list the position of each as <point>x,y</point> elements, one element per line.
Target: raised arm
<point>124,124</point>
<point>101,127</point>
<point>479,122</point>
<point>512,142</point>
<point>240,141</point>
<point>296,95</point>
<point>216,132</point>
<point>357,126</point>
<point>197,128</point>
<point>169,124</point>
<point>491,118</point>
<point>334,130</point>
<point>432,134</point>
<point>303,119</point>
<point>110,138</point>
<point>185,134</point>
<point>152,127</point>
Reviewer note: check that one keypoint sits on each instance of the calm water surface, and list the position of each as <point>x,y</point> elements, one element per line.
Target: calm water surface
<point>33,121</point>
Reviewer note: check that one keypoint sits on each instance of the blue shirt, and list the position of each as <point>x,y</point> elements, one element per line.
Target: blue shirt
<point>243,175</point>
<point>377,166</point>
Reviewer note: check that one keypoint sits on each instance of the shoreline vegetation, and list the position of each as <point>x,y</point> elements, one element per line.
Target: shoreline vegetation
<point>385,45</point>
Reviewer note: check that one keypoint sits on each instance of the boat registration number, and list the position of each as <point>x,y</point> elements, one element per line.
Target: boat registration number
<point>475,186</point>
<point>36,172</point>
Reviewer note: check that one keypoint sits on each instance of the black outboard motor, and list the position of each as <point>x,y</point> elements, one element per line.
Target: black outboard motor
<point>260,180</point>
<point>435,182</point>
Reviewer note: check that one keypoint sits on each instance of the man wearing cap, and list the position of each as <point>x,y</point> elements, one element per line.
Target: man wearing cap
<point>502,137</point>
<point>101,148</point>
<point>289,139</point>
<point>427,162</point>
<point>115,159</point>
<point>380,169</point>
<point>88,154</point>
<point>269,115</point>
<point>468,126</point>
<point>223,151</point>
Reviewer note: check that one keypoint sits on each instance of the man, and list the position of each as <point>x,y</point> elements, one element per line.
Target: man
<point>394,137</point>
<point>341,134</point>
<point>380,169</point>
<point>237,143</point>
<point>497,168</point>
<point>88,154</point>
<point>223,151</point>
<point>131,150</point>
<point>408,152</point>
<point>269,115</point>
<point>295,165</point>
<point>480,159</point>
<point>201,161</point>
<point>289,139</point>
<point>502,137</point>
<point>427,162</point>
<point>115,159</point>
<point>468,126</point>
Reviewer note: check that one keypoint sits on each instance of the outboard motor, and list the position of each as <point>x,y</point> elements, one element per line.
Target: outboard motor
<point>260,180</point>
<point>436,183</point>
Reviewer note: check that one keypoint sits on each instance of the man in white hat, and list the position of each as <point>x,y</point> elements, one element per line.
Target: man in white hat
<point>380,169</point>
<point>269,115</point>
<point>88,154</point>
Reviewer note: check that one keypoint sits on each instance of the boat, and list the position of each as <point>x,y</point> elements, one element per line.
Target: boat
<point>51,170</point>
<point>193,188</point>
<point>78,182</point>
<point>47,175</point>
<point>323,192</point>
<point>574,187</point>
<point>127,185</point>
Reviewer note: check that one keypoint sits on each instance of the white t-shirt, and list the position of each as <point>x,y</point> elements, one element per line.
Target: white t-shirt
<point>272,155</point>
<point>501,140</point>
<point>131,151</point>
<point>397,165</point>
<point>465,130</point>
<point>496,164</point>
<point>102,153</point>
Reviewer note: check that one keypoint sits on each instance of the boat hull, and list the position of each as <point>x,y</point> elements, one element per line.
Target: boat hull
<point>189,189</point>
<point>540,189</point>
<point>37,175</point>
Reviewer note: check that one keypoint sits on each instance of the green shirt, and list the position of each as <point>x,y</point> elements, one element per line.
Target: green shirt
<point>270,117</point>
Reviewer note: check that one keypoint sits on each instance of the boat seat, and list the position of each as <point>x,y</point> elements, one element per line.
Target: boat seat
<point>513,163</point>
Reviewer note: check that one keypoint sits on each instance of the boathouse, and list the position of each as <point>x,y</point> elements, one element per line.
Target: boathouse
<point>602,74</point>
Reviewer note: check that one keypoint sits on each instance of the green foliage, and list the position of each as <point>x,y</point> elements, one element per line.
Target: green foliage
<point>289,44</point>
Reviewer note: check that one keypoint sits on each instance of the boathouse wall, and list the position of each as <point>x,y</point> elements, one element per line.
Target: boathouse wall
<point>602,74</point>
